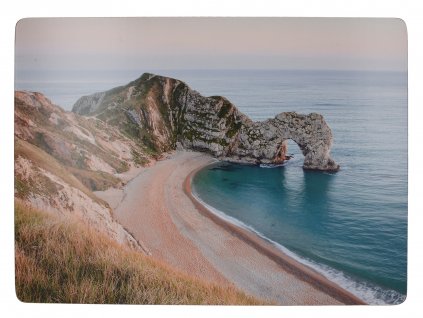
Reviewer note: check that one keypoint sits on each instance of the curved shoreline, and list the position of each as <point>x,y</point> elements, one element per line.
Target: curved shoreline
<point>157,207</point>
<point>289,264</point>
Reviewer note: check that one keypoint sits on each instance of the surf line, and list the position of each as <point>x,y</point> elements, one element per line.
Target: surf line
<point>289,264</point>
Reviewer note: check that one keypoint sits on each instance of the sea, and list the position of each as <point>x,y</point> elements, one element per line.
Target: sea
<point>351,226</point>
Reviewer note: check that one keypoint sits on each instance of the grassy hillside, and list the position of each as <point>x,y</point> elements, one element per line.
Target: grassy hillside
<point>43,160</point>
<point>86,148</point>
<point>59,259</point>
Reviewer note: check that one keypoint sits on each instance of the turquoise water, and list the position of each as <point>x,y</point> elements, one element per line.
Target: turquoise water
<point>351,226</point>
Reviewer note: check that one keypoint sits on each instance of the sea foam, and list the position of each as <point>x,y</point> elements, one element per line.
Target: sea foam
<point>366,291</point>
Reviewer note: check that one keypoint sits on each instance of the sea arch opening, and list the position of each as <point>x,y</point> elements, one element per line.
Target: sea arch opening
<point>288,149</point>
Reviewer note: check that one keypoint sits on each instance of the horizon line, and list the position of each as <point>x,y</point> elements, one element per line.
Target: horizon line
<point>149,70</point>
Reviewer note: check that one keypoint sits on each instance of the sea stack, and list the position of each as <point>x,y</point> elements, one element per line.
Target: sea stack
<point>166,113</point>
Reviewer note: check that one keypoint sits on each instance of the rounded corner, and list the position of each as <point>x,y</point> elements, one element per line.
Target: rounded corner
<point>403,23</point>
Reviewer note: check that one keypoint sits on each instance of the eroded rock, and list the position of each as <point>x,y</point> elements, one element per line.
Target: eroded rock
<point>169,112</point>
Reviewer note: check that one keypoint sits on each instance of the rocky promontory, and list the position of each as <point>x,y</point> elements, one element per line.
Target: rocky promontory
<point>164,114</point>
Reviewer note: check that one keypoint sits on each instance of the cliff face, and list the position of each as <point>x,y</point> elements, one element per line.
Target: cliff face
<point>165,113</point>
<point>61,158</point>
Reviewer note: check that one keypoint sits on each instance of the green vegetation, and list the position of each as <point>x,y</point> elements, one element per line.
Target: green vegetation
<point>40,141</point>
<point>233,129</point>
<point>220,141</point>
<point>61,260</point>
<point>95,180</point>
<point>140,135</point>
<point>64,145</point>
<point>190,133</point>
<point>42,185</point>
<point>138,159</point>
<point>22,188</point>
<point>149,142</point>
<point>129,128</point>
<point>143,78</point>
<point>224,110</point>
<point>79,159</point>
<point>35,114</point>
<point>43,160</point>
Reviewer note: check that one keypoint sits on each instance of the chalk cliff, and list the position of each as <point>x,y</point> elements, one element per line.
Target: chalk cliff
<point>165,113</point>
<point>61,158</point>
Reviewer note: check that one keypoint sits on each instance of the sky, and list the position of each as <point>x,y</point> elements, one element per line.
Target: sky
<point>50,44</point>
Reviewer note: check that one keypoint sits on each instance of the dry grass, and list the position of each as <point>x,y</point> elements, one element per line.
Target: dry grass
<point>45,161</point>
<point>62,260</point>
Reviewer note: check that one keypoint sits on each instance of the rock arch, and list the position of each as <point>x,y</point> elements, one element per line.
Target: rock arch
<point>170,113</point>
<point>266,142</point>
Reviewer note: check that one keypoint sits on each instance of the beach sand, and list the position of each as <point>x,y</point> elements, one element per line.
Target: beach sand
<point>158,209</point>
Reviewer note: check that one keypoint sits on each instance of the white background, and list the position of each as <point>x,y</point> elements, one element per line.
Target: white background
<point>410,11</point>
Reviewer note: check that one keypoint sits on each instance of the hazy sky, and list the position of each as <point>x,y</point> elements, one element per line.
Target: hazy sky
<point>210,43</point>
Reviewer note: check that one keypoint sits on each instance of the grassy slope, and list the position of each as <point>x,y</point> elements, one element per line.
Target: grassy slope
<point>45,161</point>
<point>62,260</point>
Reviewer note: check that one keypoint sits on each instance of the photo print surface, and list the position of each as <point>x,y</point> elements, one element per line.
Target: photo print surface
<point>232,161</point>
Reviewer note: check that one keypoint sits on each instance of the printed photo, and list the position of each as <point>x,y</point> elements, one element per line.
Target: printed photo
<point>211,161</point>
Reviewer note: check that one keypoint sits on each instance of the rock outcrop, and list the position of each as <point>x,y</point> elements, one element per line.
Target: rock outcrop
<point>88,104</point>
<point>164,113</point>
<point>265,142</point>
